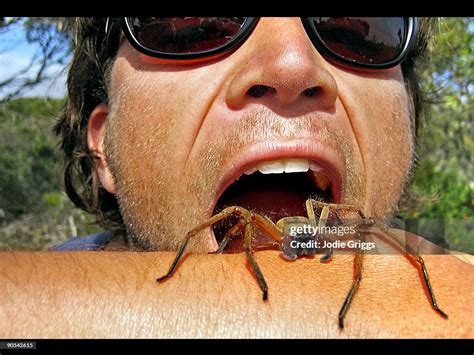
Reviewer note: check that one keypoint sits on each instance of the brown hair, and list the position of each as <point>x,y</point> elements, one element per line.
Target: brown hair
<point>93,56</point>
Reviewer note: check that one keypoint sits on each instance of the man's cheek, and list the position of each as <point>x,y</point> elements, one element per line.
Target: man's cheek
<point>391,161</point>
<point>381,122</point>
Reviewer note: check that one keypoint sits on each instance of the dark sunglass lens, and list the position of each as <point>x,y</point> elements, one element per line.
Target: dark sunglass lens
<point>184,34</point>
<point>368,40</point>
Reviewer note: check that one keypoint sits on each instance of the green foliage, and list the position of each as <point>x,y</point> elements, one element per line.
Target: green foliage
<point>449,131</point>
<point>28,154</point>
<point>56,221</point>
<point>446,193</point>
<point>34,213</point>
<point>444,179</point>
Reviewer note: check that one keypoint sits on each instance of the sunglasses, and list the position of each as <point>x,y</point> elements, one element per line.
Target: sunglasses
<point>358,42</point>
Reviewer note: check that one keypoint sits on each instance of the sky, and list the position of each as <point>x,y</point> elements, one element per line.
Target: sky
<point>16,54</point>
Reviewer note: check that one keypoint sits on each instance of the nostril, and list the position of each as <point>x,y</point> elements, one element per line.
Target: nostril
<point>313,91</point>
<point>260,90</point>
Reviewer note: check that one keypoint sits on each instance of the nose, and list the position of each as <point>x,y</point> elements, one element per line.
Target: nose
<point>280,66</point>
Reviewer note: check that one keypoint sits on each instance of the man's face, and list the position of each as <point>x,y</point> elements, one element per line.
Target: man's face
<point>179,135</point>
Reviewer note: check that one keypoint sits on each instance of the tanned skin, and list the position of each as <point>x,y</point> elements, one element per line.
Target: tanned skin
<point>115,295</point>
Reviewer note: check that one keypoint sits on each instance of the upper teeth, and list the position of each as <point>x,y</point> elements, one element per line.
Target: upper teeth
<point>293,166</point>
<point>284,166</point>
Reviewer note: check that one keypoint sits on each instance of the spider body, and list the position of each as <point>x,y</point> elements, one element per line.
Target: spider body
<point>300,236</point>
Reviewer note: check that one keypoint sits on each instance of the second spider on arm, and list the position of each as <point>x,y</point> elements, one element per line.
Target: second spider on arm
<point>293,238</point>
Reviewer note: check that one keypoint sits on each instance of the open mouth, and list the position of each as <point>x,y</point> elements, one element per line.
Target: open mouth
<point>275,189</point>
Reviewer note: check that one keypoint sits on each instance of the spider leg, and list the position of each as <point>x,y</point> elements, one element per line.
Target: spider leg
<point>260,221</point>
<point>266,225</point>
<point>228,236</point>
<point>355,285</point>
<point>265,246</point>
<point>336,206</point>
<point>420,262</point>
<point>321,223</point>
<point>327,256</point>
<point>248,251</point>
<point>214,219</point>
<point>310,212</point>
<point>273,230</point>
<point>323,218</point>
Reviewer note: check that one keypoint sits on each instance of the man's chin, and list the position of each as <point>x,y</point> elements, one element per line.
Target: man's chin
<point>203,242</point>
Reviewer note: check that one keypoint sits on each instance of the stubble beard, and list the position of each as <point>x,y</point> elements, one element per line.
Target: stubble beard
<point>159,205</point>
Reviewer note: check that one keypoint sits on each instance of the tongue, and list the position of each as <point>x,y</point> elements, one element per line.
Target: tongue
<point>274,195</point>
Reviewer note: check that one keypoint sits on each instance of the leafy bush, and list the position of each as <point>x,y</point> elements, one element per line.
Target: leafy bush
<point>444,178</point>
<point>34,213</point>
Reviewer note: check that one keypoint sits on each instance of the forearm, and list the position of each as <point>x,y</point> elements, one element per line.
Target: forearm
<point>115,294</point>
<point>79,294</point>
